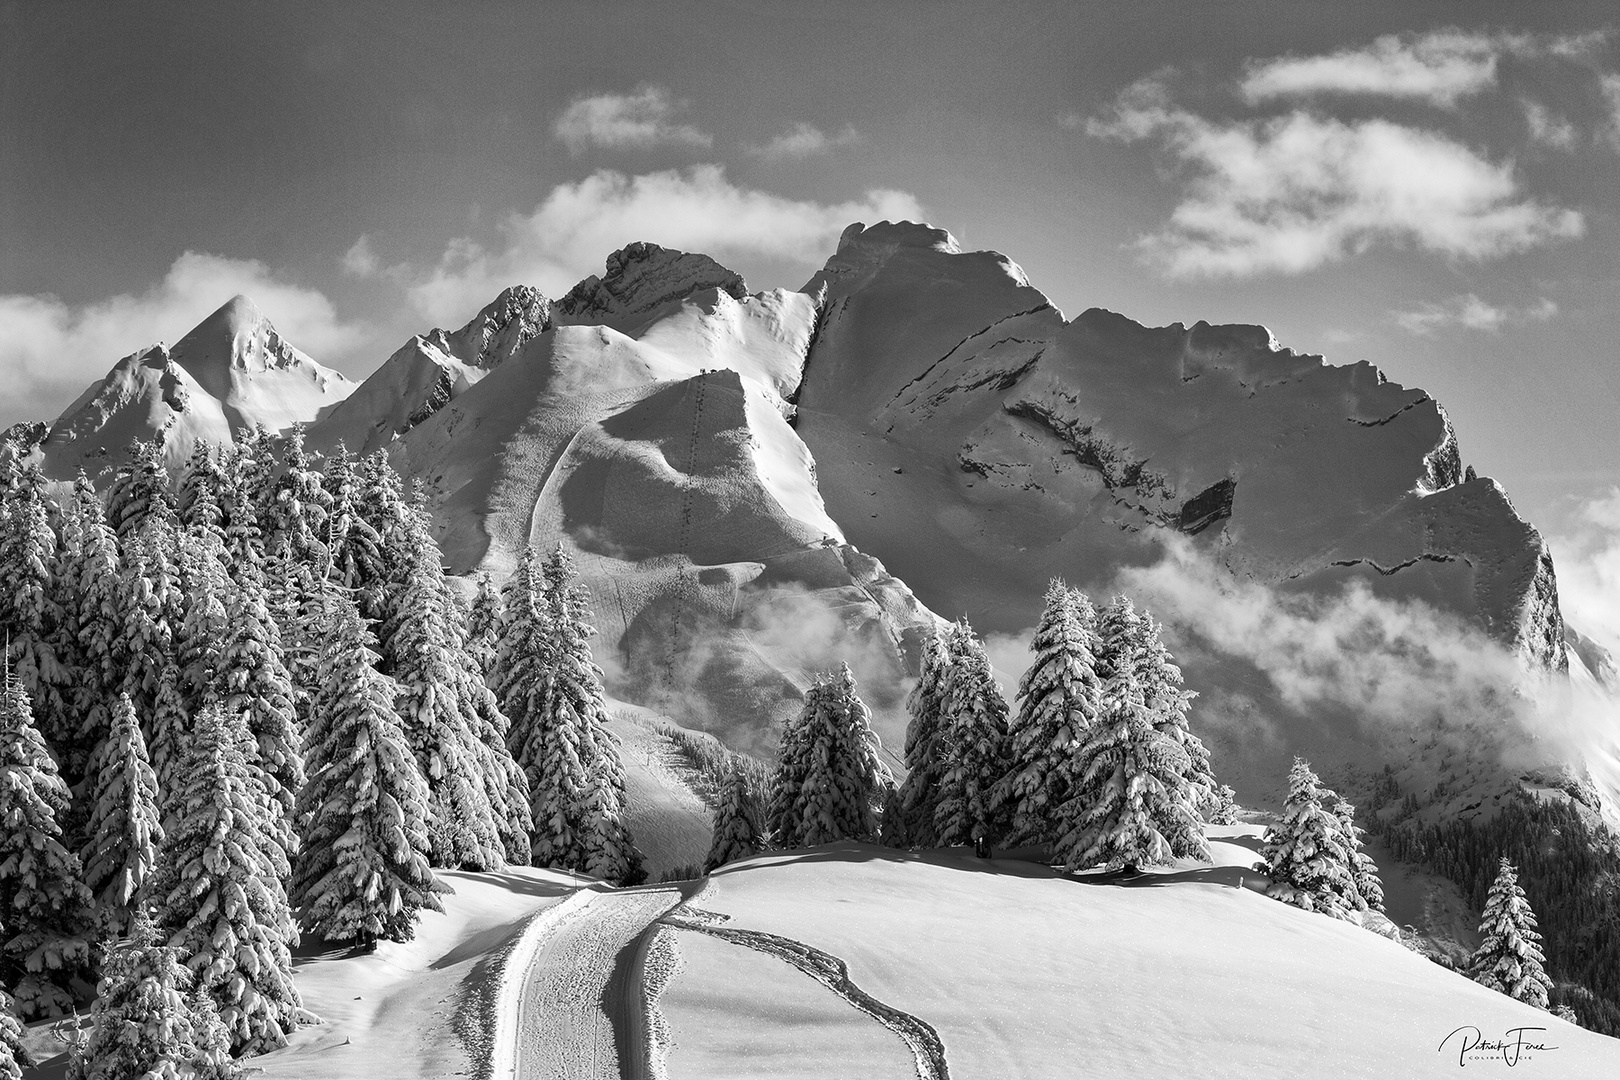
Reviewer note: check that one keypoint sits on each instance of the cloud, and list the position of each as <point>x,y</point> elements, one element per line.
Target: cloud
<point>1290,193</point>
<point>1610,85</point>
<point>51,350</point>
<point>635,121</point>
<point>360,260</point>
<point>1439,67</point>
<point>1420,676</point>
<point>804,140</point>
<point>1547,128</point>
<point>1472,313</point>
<point>568,235</point>
<point>1587,558</point>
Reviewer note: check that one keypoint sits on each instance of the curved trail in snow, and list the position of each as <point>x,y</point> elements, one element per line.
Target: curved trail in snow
<point>582,1001</point>
<point>830,971</point>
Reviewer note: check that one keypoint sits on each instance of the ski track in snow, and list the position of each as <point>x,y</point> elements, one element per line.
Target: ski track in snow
<point>830,971</point>
<point>582,1000</point>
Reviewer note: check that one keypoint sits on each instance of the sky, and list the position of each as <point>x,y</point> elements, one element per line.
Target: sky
<point>1430,186</point>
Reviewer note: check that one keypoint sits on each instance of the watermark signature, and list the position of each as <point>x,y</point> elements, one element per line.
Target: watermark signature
<point>1516,1045</point>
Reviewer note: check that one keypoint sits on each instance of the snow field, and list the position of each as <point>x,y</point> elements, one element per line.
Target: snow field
<point>1027,973</point>
<point>398,1012</point>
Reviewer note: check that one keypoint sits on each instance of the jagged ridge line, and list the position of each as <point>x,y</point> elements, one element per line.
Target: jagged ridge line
<point>832,972</point>
<point>953,349</point>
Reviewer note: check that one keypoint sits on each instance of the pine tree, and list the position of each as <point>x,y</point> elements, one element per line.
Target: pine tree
<point>484,625</point>
<point>1161,682</point>
<point>200,638</point>
<point>382,508</point>
<point>1131,803</point>
<point>145,1024</point>
<point>518,675</point>
<point>254,683</point>
<point>738,830</point>
<point>45,903</point>
<point>29,613</point>
<point>830,779</point>
<point>139,494</point>
<point>1363,871</point>
<point>972,744</point>
<point>439,697</point>
<point>88,577</point>
<point>124,829</point>
<point>1509,956</point>
<point>152,603</point>
<point>14,1056</point>
<point>911,821</point>
<point>571,759</point>
<point>168,732</point>
<point>1305,853</point>
<point>202,481</point>
<point>239,507</point>
<point>220,886</point>
<point>295,521</point>
<point>356,546</point>
<point>1059,699</point>
<point>363,867</point>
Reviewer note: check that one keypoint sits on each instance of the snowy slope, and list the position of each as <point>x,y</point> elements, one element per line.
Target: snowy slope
<point>1025,973</point>
<point>231,373</point>
<point>662,455</point>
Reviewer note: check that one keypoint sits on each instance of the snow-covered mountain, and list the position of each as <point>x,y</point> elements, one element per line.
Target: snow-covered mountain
<point>756,485</point>
<point>232,372</point>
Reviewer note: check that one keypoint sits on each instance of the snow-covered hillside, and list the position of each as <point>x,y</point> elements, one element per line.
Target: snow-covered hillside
<point>229,374</point>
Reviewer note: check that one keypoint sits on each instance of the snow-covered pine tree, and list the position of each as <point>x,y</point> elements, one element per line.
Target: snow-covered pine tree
<point>1509,956</point>
<point>14,1055</point>
<point>29,614</point>
<point>124,830</point>
<point>362,871</point>
<point>517,675</point>
<point>972,744</point>
<point>152,604</point>
<point>1305,854</point>
<point>201,483</point>
<point>382,506</point>
<point>199,642</point>
<point>738,830</point>
<point>576,780</point>
<point>1131,803</point>
<point>139,493</point>
<point>910,823</point>
<point>1162,692</point>
<point>294,523</point>
<point>88,577</point>
<point>238,506</point>
<point>220,886</point>
<point>46,906</point>
<point>145,1023</point>
<point>253,682</point>
<point>830,776</point>
<point>484,624</point>
<point>167,733</point>
<point>356,547</point>
<point>437,701</point>
<point>1060,697</point>
<point>1363,871</point>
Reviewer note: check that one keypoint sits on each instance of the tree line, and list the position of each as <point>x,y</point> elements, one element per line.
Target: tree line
<point>247,703</point>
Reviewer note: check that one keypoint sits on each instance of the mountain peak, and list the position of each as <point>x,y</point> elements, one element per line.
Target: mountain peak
<point>641,278</point>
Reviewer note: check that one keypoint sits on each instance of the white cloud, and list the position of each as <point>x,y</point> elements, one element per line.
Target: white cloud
<point>360,260</point>
<point>569,234</point>
<point>804,140</point>
<point>1290,193</point>
<point>51,350</point>
<point>1546,127</point>
<point>1472,313</point>
<point>1437,67</point>
<point>635,121</point>
<point>1610,85</point>
<point>1587,558</point>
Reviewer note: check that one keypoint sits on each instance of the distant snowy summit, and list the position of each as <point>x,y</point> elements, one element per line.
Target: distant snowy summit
<point>231,373</point>
<point>756,485</point>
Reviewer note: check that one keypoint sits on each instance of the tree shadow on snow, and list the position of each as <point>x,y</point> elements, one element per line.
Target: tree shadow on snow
<point>1234,877</point>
